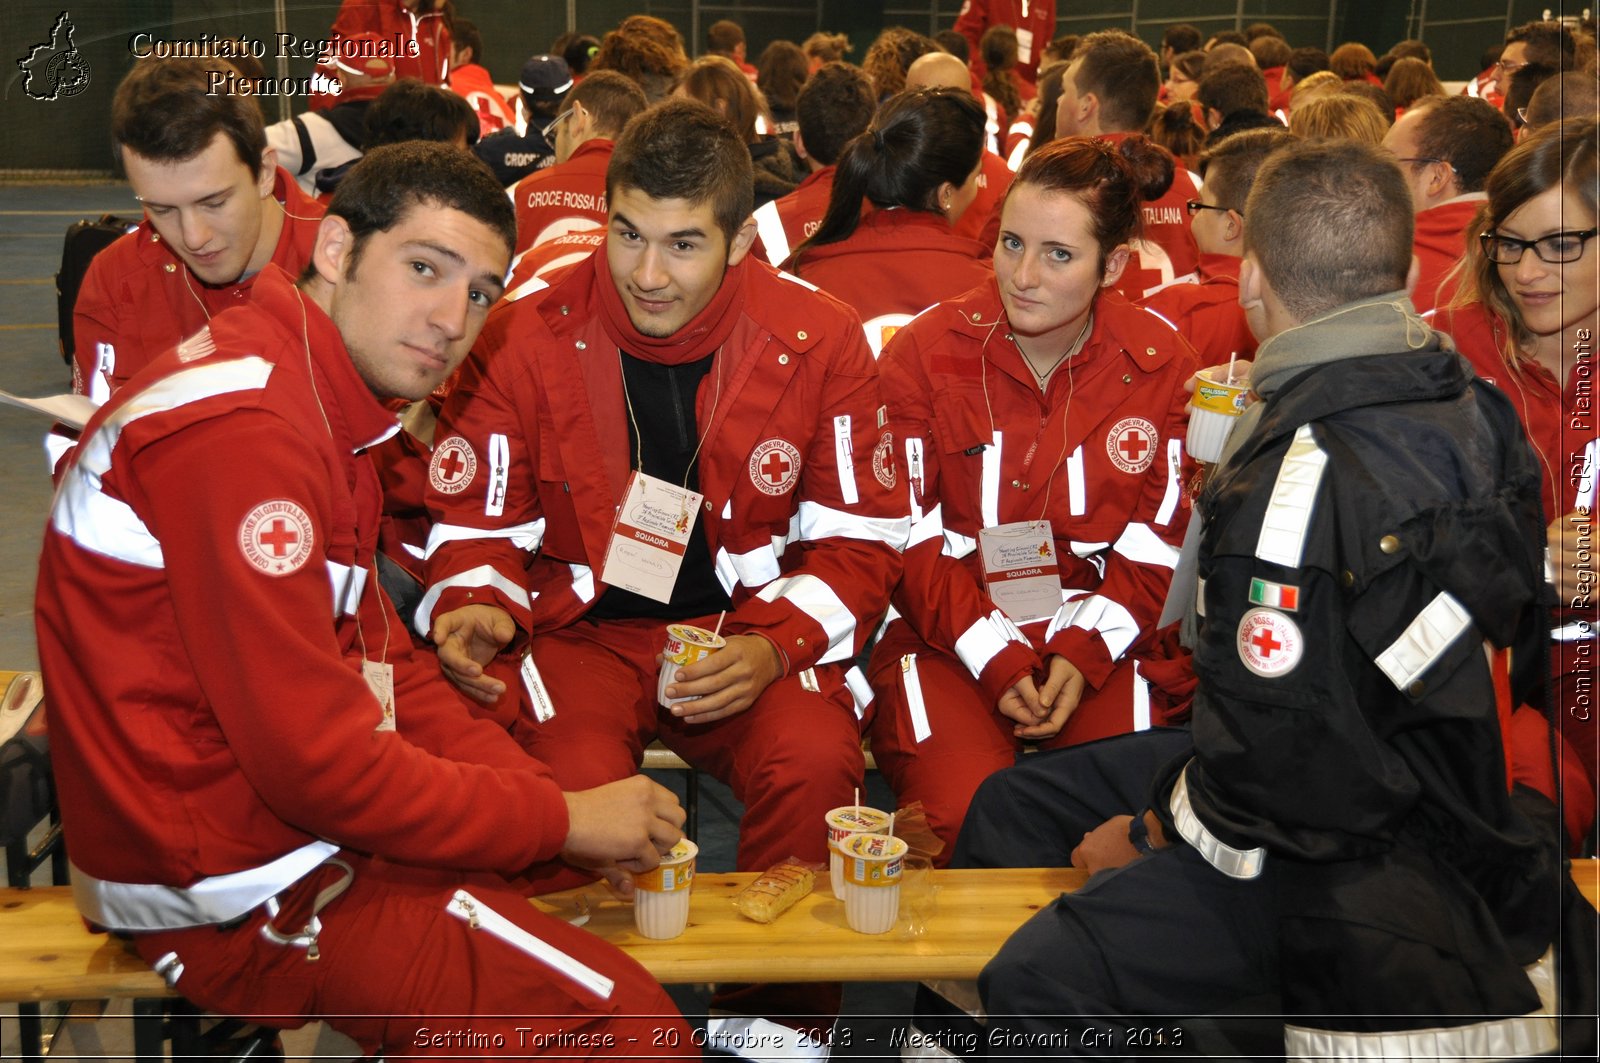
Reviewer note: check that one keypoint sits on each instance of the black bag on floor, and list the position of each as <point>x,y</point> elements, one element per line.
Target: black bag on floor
<point>85,239</point>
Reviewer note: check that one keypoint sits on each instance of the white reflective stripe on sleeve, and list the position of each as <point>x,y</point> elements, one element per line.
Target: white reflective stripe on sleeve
<point>479,916</point>
<point>860,690</point>
<point>1077,498</point>
<point>1576,631</point>
<point>769,226</point>
<point>927,527</point>
<point>1141,700</point>
<point>348,583</point>
<point>1086,549</point>
<point>1014,160</point>
<point>482,576</point>
<point>991,483</point>
<point>1424,640</point>
<point>526,288</point>
<point>957,545</point>
<point>1199,596</point>
<point>753,568</point>
<point>1139,542</point>
<point>823,522</point>
<point>1521,1037</point>
<point>1235,863</point>
<point>138,906</point>
<point>1169,501</point>
<point>582,582</point>
<point>105,525</point>
<point>1586,475</point>
<point>523,536</point>
<point>982,642</point>
<point>808,681</point>
<point>1106,618</point>
<point>760,1039</point>
<point>844,457</point>
<point>494,500</point>
<point>56,446</point>
<point>1294,495</point>
<point>102,524</point>
<point>914,481</point>
<point>916,707</point>
<point>817,600</point>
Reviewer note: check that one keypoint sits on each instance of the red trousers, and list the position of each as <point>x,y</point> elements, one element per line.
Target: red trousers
<point>790,757</point>
<point>401,975</point>
<point>967,739</point>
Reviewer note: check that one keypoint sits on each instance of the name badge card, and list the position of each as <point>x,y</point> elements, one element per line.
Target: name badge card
<point>1020,569</point>
<point>649,537</point>
<point>380,680</point>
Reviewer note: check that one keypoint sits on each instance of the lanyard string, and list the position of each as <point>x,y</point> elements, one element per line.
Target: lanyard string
<point>372,566</point>
<point>638,438</point>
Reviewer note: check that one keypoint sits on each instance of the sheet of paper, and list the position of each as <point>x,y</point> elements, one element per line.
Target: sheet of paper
<point>1020,568</point>
<point>74,410</point>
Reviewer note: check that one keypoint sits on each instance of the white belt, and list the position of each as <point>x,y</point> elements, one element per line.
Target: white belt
<point>138,906</point>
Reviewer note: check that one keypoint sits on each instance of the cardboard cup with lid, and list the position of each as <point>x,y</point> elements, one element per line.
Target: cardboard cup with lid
<point>661,895</point>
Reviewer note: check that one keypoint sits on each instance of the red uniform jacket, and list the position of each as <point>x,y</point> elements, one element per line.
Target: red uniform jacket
<point>1550,412</point>
<point>420,43</point>
<point>472,83</point>
<point>1164,250</point>
<point>895,265</point>
<point>981,220</point>
<point>1034,21</point>
<point>1208,314</point>
<point>975,428</point>
<point>205,599</point>
<point>138,298</point>
<point>1439,243</point>
<point>784,224</point>
<point>565,198</point>
<point>804,513</point>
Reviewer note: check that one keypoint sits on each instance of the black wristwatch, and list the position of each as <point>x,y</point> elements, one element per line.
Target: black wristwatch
<point>1139,834</point>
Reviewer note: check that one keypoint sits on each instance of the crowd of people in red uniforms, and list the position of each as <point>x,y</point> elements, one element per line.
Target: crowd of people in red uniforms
<point>934,395</point>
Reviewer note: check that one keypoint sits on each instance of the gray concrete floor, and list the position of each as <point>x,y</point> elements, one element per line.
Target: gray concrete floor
<point>33,219</point>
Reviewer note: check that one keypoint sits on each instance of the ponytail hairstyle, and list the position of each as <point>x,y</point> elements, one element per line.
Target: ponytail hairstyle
<point>1110,180</point>
<point>918,141</point>
<point>998,47</point>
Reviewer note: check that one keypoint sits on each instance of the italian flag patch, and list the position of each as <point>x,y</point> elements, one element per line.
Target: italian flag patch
<point>1274,595</point>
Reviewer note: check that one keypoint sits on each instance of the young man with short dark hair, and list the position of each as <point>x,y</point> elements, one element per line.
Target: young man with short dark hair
<point>1445,146</point>
<point>835,104</point>
<point>217,210</point>
<point>570,196</point>
<point>280,803</point>
<point>674,433</point>
<point>1109,92</point>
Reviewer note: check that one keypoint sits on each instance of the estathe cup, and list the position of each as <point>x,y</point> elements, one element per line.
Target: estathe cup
<point>686,645</point>
<point>661,895</point>
<point>843,822</point>
<point>1213,412</point>
<point>873,866</point>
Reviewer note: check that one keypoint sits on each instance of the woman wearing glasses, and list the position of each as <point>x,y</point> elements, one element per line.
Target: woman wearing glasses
<point>1040,418</point>
<point>1527,319</point>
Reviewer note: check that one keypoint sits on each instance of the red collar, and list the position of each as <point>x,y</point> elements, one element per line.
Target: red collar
<point>702,336</point>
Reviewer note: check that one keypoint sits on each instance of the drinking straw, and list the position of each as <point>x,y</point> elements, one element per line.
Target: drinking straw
<point>1231,356</point>
<point>720,619</point>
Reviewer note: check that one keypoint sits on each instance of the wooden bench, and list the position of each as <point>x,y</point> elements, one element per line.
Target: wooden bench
<point>46,953</point>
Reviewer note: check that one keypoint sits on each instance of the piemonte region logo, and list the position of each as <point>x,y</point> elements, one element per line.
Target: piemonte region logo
<point>55,69</point>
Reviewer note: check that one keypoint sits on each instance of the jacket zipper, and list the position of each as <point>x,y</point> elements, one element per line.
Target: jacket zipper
<point>479,916</point>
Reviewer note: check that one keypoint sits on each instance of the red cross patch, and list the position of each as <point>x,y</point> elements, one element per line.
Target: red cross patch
<point>1270,644</point>
<point>453,466</point>
<point>775,466</point>
<point>883,462</point>
<point>1131,444</point>
<point>277,537</point>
